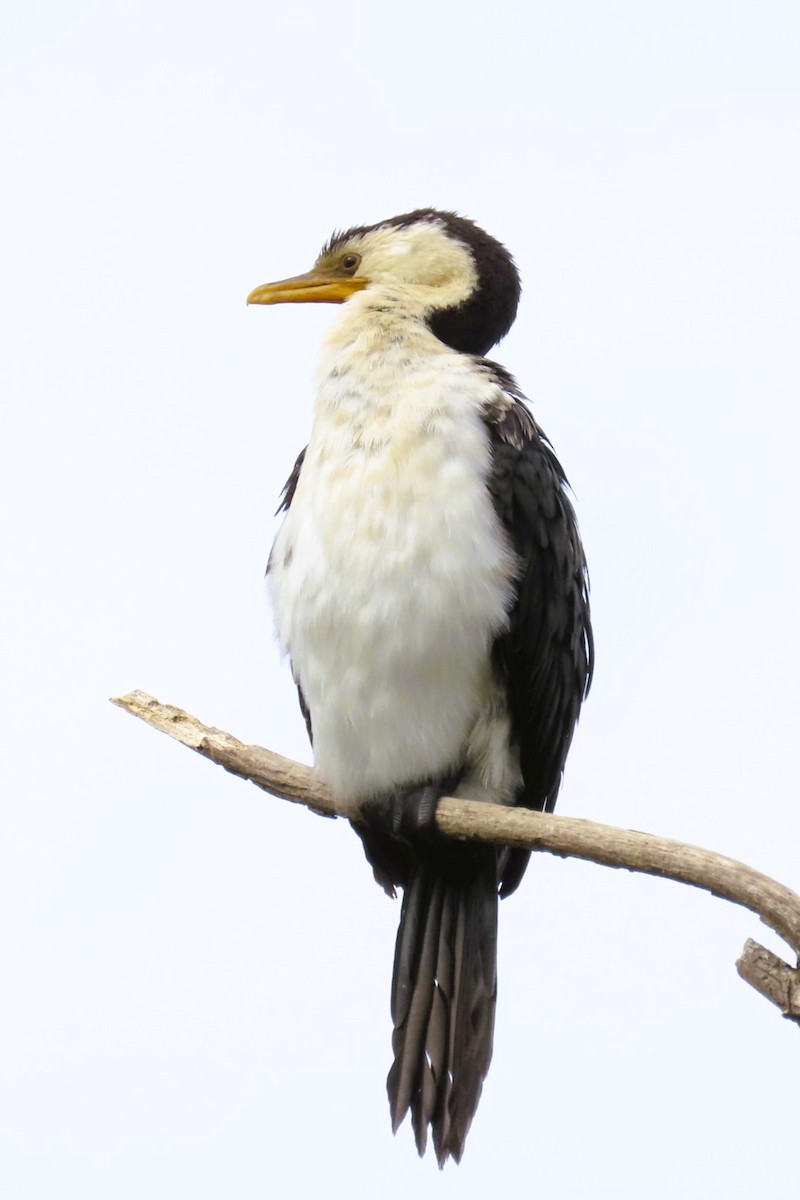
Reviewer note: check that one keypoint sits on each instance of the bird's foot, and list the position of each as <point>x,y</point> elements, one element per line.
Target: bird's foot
<point>409,814</point>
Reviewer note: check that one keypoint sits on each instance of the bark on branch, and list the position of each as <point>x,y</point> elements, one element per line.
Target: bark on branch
<point>567,837</point>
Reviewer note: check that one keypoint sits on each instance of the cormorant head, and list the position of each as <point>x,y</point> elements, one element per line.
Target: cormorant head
<point>437,265</point>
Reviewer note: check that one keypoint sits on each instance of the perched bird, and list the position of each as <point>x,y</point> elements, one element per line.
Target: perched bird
<point>430,588</point>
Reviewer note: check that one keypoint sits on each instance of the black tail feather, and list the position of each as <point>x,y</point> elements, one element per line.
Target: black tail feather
<point>444,992</point>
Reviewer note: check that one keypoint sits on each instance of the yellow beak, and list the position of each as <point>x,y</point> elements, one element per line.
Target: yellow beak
<point>313,287</point>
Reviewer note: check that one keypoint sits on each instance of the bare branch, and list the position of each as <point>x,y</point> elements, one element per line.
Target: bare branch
<point>275,774</point>
<point>771,976</point>
<point>469,820</point>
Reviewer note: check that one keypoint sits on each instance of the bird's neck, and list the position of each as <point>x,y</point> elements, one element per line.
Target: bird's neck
<point>384,378</point>
<point>378,343</point>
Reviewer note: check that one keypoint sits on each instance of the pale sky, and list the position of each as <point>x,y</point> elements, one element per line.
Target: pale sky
<point>196,977</point>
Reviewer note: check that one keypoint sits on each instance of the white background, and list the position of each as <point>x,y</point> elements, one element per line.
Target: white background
<point>195,976</point>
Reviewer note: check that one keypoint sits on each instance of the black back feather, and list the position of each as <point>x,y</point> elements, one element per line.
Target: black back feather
<point>546,655</point>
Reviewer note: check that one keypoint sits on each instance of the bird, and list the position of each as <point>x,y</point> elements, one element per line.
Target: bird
<point>430,589</point>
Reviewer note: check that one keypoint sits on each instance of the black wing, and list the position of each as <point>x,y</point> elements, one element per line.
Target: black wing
<point>546,655</point>
<point>287,495</point>
<point>290,487</point>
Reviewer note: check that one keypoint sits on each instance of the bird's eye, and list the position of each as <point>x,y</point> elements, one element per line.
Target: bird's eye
<point>351,261</point>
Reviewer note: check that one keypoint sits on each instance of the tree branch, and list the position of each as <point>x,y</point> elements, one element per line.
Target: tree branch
<point>568,837</point>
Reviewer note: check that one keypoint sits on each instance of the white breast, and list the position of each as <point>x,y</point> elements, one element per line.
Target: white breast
<point>391,574</point>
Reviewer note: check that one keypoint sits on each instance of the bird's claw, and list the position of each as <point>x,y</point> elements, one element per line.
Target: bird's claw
<point>409,815</point>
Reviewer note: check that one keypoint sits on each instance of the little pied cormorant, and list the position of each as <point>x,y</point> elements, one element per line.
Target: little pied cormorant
<point>430,588</point>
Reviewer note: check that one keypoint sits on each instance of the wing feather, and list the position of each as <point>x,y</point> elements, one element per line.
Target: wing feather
<point>546,655</point>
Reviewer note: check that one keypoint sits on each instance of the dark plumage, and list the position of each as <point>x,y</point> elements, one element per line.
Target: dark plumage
<point>546,656</point>
<point>444,992</point>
